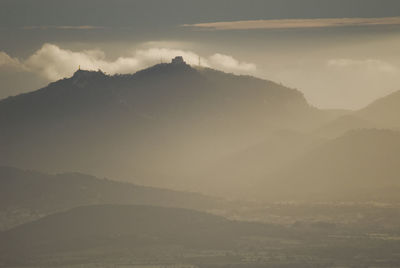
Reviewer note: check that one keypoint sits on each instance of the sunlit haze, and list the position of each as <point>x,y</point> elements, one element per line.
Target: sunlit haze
<point>199,133</point>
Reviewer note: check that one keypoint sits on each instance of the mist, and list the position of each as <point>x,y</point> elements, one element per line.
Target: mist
<point>199,134</point>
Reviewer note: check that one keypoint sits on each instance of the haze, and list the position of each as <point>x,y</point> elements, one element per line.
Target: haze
<point>199,133</point>
<point>343,67</point>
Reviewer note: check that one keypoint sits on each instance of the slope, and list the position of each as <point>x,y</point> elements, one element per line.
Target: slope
<point>361,165</point>
<point>155,127</point>
<point>28,195</point>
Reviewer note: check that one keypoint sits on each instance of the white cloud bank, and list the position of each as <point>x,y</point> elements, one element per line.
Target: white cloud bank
<point>53,62</point>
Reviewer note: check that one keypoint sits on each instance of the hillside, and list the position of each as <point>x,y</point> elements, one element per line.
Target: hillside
<point>381,113</point>
<point>158,126</point>
<point>115,228</point>
<point>237,174</point>
<point>28,195</point>
<point>339,126</point>
<point>384,111</point>
<point>361,165</point>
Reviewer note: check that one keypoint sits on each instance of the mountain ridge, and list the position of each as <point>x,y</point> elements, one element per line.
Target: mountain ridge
<point>26,195</point>
<point>99,227</point>
<point>360,165</point>
<point>158,125</point>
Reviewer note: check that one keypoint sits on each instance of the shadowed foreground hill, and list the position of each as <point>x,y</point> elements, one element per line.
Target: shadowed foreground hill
<point>145,236</point>
<point>155,127</point>
<point>360,165</point>
<point>117,227</point>
<point>27,195</point>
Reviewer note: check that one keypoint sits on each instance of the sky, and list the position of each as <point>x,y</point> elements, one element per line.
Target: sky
<point>341,54</point>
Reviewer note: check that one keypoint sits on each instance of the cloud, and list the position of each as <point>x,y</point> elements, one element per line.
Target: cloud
<point>63,27</point>
<point>295,23</point>
<point>10,63</point>
<point>217,60</point>
<point>228,62</point>
<point>53,62</point>
<point>373,65</point>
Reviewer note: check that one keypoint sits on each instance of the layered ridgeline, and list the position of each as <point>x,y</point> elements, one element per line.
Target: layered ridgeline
<point>200,129</point>
<point>241,173</point>
<point>147,236</point>
<point>361,165</point>
<point>353,157</point>
<point>102,232</point>
<point>357,160</point>
<point>159,126</point>
<point>380,114</point>
<point>384,112</point>
<point>28,195</point>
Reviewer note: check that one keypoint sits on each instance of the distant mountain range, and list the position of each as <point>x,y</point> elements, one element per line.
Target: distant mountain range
<point>380,114</point>
<point>238,174</point>
<point>384,111</point>
<point>180,127</point>
<point>361,165</point>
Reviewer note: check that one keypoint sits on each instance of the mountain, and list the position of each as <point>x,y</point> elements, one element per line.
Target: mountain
<point>28,195</point>
<point>361,165</point>
<point>105,229</point>
<point>237,174</point>
<point>339,126</point>
<point>384,111</point>
<point>158,126</point>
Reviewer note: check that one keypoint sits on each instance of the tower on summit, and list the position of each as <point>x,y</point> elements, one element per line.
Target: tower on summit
<point>178,60</point>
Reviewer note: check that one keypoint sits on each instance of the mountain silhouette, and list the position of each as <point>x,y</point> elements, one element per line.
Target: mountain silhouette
<point>27,195</point>
<point>361,165</point>
<point>239,172</point>
<point>158,126</point>
<point>381,113</point>
<point>98,228</point>
<point>384,111</point>
<point>339,126</point>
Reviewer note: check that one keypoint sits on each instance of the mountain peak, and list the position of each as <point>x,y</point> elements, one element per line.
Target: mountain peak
<point>88,74</point>
<point>178,60</point>
<point>81,77</point>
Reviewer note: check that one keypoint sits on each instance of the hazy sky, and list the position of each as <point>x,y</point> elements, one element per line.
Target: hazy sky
<point>339,53</point>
